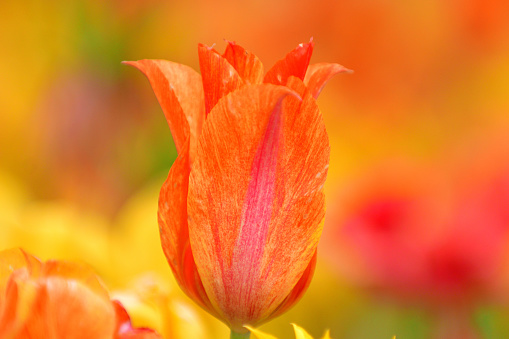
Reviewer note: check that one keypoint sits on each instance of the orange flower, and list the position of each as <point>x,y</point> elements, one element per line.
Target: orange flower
<point>242,209</point>
<point>58,300</point>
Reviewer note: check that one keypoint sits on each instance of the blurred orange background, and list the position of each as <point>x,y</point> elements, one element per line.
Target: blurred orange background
<point>416,233</point>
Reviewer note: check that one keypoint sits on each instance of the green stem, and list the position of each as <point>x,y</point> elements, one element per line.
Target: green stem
<point>235,335</point>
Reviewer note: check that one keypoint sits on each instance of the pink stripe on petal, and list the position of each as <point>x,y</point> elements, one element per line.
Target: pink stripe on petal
<point>257,209</point>
<point>232,198</point>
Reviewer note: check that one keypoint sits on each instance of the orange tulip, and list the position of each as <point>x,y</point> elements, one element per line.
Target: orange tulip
<point>242,209</point>
<point>58,299</point>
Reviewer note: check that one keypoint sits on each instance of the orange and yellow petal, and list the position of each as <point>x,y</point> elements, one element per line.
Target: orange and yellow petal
<point>256,199</point>
<point>294,64</point>
<point>56,299</point>
<point>318,75</point>
<point>13,259</point>
<point>173,229</point>
<point>298,290</point>
<point>219,76</point>
<point>247,64</point>
<point>179,90</point>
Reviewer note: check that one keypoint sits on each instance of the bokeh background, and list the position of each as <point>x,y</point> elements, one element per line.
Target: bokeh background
<point>416,235</point>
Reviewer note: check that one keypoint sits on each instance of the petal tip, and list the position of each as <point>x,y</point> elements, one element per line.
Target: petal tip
<point>136,64</point>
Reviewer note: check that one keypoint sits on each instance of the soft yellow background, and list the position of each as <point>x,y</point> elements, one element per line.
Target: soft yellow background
<point>84,146</point>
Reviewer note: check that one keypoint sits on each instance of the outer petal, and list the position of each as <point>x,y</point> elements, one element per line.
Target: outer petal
<point>75,272</point>
<point>295,63</point>
<point>59,302</point>
<point>179,90</point>
<point>219,76</point>
<point>256,199</point>
<point>173,229</point>
<point>13,259</point>
<point>17,302</point>
<point>318,75</point>
<point>249,67</point>
<point>299,289</point>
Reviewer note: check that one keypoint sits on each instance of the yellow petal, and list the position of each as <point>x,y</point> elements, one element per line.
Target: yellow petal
<point>259,334</point>
<point>326,335</point>
<point>300,333</point>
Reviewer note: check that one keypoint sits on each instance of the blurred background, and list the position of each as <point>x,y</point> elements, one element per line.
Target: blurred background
<point>416,234</point>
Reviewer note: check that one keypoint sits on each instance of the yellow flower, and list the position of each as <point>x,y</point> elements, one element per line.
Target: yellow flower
<point>300,333</point>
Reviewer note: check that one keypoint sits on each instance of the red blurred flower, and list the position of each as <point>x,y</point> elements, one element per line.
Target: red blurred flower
<point>418,238</point>
<point>58,300</point>
<point>241,212</point>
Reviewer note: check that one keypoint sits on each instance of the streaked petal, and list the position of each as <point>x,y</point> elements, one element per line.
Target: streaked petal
<point>259,334</point>
<point>295,63</point>
<point>318,75</point>
<point>57,307</point>
<point>219,76</point>
<point>299,289</point>
<point>179,90</point>
<point>173,229</point>
<point>256,199</point>
<point>326,335</point>
<point>248,66</point>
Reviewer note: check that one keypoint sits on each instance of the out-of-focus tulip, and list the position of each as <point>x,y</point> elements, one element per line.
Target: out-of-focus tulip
<point>151,303</point>
<point>58,300</point>
<point>241,211</point>
<point>300,333</point>
<point>430,237</point>
<point>419,239</point>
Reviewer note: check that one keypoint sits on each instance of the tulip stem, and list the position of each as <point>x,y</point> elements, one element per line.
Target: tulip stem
<point>235,335</point>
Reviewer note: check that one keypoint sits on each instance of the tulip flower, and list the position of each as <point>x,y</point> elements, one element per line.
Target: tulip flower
<point>242,209</point>
<point>58,299</point>
<point>439,242</point>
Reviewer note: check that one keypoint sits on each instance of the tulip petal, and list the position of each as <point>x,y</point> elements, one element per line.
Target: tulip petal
<point>77,272</point>
<point>47,306</point>
<point>318,75</point>
<point>173,229</point>
<point>16,303</point>
<point>299,289</point>
<point>179,90</point>
<point>219,76</point>
<point>249,67</point>
<point>295,63</point>
<point>256,199</point>
<point>59,301</point>
<point>13,259</point>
